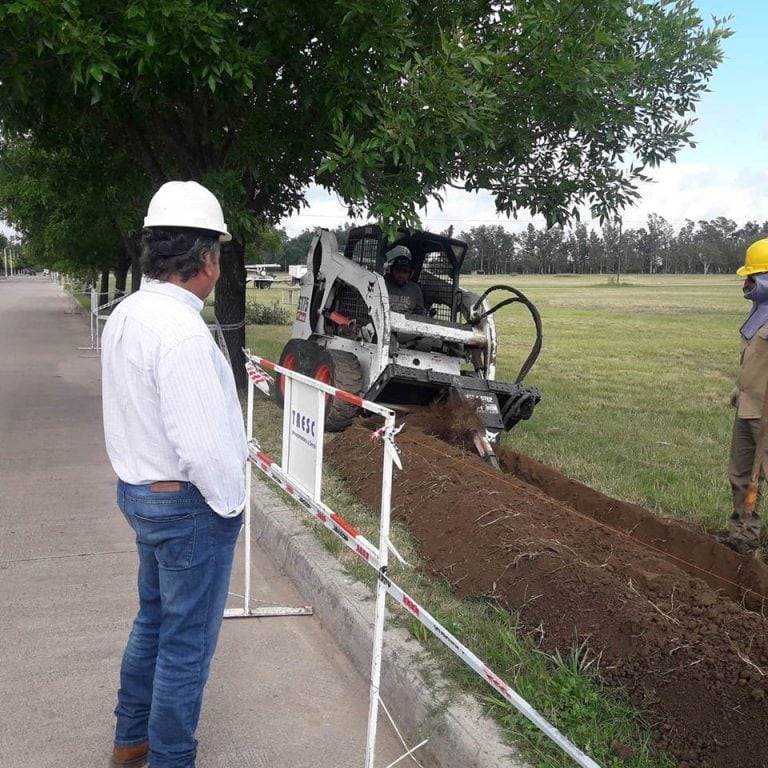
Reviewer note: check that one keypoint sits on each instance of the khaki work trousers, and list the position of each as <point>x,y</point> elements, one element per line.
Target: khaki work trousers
<point>742,527</point>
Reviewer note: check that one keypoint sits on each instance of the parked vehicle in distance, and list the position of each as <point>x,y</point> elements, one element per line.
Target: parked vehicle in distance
<point>260,274</point>
<point>297,271</point>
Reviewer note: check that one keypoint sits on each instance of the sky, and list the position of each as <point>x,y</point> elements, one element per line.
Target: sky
<point>722,176</point>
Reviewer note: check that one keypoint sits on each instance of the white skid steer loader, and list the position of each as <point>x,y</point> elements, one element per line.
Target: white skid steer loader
<point>346,334</point>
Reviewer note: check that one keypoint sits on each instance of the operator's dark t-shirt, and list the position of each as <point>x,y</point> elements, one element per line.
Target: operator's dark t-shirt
<point>407,299</point>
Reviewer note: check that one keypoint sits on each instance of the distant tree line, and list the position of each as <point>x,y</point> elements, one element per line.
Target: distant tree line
<point>703,247</point>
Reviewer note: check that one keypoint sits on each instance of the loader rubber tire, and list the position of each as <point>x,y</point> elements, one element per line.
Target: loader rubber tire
<point>341,370</point>
<point>300,355</point>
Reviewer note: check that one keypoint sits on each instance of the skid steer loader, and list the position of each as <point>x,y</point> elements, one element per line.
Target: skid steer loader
<point>346,334</point>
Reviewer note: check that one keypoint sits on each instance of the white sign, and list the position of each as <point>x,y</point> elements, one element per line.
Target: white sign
<point>304,425</point>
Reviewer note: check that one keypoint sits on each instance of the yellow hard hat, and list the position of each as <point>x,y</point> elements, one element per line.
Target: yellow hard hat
<point>756,259</point>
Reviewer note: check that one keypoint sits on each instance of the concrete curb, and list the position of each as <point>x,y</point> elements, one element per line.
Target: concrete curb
<point>460,736</point>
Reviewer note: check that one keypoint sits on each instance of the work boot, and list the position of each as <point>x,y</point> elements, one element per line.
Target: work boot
<point>737,545</point>
<point>130,757</point>
<point>744,529</point>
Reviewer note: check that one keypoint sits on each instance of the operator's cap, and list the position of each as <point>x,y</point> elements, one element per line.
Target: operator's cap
<point>399,256</point>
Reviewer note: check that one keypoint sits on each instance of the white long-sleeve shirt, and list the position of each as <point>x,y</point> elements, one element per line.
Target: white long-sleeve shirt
<point>170,404</point>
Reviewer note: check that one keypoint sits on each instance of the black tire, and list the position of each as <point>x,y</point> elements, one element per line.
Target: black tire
<point>341,370</point>
<point>300,355</point>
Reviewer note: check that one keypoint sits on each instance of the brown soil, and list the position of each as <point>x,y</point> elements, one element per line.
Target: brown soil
<point>675,617</point>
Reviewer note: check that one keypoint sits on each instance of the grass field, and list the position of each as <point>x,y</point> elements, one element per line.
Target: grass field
<point>635,381</point>
<point>634,377</point>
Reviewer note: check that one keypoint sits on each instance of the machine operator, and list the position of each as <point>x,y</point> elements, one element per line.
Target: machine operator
<point>404,295</point>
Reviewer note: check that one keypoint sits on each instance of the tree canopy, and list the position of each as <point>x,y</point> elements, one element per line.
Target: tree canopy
<point>545,103</point>
<point>549,105</point>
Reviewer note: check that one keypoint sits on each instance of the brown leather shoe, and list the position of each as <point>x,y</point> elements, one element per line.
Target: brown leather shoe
<point>130,757</point>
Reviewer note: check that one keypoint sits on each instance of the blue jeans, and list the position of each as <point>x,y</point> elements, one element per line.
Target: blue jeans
<point>185,560</point>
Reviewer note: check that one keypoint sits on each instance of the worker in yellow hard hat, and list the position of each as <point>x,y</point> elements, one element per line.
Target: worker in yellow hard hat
<point>749,399</point>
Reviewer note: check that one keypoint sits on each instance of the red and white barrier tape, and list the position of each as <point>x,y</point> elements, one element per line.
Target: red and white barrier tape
<point>260,378</point>
<point>366,551</point>
<point>336,524</point>
<point>255,363</point>
<point>341,394</point>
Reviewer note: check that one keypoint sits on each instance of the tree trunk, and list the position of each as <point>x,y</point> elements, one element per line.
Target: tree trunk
<point>104,288</point>
<point>230,307</point>
<point>121,272</point>
<point>133,249</point>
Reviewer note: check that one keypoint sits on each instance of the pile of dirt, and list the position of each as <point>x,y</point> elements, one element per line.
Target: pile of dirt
<point>662,605</point>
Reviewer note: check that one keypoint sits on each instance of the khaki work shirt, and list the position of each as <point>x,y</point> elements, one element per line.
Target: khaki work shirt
<point>753,375</point>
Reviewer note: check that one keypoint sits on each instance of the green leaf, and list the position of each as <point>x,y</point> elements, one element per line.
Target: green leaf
<point>134,10</point>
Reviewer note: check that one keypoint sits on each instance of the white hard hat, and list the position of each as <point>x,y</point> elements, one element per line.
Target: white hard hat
<point>186,204</point>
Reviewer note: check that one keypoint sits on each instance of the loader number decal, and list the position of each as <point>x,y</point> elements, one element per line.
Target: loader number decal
<point>301,312</point>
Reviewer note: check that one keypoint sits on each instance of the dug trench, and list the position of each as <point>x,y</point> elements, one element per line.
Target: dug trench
<point>672,616</point>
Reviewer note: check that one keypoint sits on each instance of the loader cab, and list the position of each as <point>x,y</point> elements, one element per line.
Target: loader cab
<point>436,260</point>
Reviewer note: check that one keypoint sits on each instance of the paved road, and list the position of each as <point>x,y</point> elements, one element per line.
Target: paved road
<point>280,694</point>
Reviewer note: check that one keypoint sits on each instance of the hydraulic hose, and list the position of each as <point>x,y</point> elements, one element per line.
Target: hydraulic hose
<point>520,298</point>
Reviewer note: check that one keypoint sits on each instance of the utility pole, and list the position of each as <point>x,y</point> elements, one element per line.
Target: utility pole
<point>5,260</point>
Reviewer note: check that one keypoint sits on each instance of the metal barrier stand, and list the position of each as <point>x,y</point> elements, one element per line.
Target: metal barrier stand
<point>247,612</point>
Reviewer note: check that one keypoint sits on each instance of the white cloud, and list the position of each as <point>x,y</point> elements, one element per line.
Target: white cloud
<point>678,192</point>
<point>322,210</point>
<point>696,192</point>
<point>466,210</point>
<point>461,209</point>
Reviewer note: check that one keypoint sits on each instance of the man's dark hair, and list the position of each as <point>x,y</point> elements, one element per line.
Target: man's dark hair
<point>167,251</point>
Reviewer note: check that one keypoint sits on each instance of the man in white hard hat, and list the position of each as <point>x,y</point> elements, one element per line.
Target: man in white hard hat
<point>175,437</point>
<point>404,295</point>
<point>748,397</point>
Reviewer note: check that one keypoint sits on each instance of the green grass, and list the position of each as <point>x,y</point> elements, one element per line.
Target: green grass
<point>635,381</point>
<point>267,340</point>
